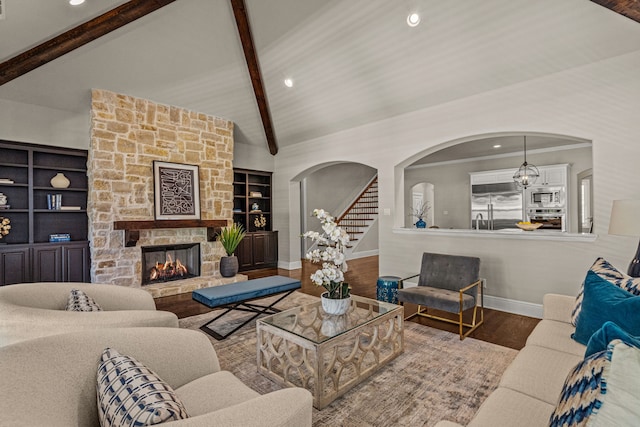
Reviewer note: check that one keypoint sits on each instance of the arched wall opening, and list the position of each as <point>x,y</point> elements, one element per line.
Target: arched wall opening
<point>422,201</point>
<point>448,167</point>
<point>334,187</point>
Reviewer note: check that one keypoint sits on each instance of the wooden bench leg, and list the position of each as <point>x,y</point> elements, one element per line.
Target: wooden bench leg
<point>243,306</point>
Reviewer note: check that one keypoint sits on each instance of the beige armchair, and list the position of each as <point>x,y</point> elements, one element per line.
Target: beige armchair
<point>51,381</point>
<point>31,310</point>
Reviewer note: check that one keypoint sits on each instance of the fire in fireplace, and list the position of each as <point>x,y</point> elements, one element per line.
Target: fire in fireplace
<point>170,262</point>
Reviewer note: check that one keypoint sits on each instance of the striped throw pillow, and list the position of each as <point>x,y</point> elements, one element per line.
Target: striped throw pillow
<point>80,301</point>
<point>581,393</point>
<point>130,394</point>
<point>601,391</point>
<point>611,274</point>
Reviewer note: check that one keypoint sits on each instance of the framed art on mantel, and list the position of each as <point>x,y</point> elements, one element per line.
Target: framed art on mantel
<point>176,190</point>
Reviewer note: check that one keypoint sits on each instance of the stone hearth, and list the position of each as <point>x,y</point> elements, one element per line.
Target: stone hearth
<point>127,135</point>
<point>189,285</point>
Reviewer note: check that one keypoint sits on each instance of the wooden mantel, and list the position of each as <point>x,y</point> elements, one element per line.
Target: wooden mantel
<point>132,228</point>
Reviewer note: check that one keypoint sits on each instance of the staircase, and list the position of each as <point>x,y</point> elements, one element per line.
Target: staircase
<point>362,213</point>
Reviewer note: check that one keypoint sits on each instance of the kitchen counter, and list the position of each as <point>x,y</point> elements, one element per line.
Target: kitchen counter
<point>508,233</point>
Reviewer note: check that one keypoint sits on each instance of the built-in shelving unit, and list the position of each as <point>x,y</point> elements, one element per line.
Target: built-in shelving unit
<point>27,248</point>
<point>252,198</point>
<point>252,201</point>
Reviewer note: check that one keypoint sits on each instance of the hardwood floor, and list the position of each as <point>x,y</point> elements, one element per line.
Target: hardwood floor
<point>506,329</point>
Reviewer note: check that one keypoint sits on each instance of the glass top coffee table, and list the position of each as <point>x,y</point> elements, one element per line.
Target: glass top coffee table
<point>326,354</point>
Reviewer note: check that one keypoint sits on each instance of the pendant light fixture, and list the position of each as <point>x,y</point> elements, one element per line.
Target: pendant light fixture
<point>527,174</point>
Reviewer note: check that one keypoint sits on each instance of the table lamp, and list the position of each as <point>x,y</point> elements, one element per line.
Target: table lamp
<point>625,221</point>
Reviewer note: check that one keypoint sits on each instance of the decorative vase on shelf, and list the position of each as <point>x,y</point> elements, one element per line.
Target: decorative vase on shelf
<point>335,306</point>
<point>60,181</point>
<point>421,223</point>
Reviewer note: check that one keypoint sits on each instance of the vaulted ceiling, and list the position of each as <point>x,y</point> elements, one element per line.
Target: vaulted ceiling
<point>352,61</point>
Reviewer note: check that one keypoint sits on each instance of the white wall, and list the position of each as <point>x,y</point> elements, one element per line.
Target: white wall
<point>598,102</point>
<point>247,156</point>
<point>41,125</point>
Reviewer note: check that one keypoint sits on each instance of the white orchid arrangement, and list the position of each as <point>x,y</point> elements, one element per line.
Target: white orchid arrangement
<point>334,239</point>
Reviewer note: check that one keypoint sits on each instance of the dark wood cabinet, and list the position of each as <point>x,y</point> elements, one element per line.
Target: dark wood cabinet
<point>15,264</point>
<point>75,262</point>
<point>47,262</point>
<point>253,210</point>
<point>27,254</point>
<point>258,250</point>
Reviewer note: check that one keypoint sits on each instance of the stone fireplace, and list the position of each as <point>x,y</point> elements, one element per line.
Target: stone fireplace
<point>127,135</point>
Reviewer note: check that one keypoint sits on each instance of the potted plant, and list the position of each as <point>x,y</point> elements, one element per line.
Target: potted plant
<point>333,240</point>
<point>420,211</point>
<point>230,238</point>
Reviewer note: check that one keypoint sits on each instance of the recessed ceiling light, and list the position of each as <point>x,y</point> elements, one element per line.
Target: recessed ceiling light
<point>497,146</point>
<point>288,82</point>
<point>413,19</point>
<point>75,2</point>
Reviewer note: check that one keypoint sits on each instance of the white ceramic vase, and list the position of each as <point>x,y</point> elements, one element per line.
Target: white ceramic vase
<point>335,306</point>
<point>60,181</point>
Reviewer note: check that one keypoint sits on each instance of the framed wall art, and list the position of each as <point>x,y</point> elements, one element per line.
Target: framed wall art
<point>176,190</point>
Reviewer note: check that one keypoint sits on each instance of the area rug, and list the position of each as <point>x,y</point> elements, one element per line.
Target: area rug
<point>438,377</point>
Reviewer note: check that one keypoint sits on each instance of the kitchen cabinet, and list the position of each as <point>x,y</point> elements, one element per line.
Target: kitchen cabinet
<point>493,176</point>
<point>552,175</point>
<point>258,250</point>
<point>555,175</point>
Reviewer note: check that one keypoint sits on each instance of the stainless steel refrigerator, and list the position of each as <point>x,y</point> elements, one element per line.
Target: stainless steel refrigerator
<point>496,206</point>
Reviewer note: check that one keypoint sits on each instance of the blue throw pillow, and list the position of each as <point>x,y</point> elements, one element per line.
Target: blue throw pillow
<point>604,302</point>
<point>607,333</point>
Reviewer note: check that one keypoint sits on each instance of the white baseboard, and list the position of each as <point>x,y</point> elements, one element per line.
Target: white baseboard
<point>503,304</point>
<point>363,254</point>
<point>513,306</point>
<point>293,265</point>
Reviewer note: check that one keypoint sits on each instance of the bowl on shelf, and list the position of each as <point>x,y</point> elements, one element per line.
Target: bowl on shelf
<point>527,226</point>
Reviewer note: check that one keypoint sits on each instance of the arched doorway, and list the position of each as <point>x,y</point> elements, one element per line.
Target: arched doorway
<point>334,187</point>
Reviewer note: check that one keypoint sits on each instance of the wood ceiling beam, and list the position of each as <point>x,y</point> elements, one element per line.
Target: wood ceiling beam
<point>628,8</point>
<point>244,30</point>
<point>76,37</point>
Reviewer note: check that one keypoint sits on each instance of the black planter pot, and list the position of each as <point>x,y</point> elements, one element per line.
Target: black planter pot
<point>228,266</point>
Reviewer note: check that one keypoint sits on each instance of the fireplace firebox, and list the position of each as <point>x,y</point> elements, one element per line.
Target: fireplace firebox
<point>164,263</point>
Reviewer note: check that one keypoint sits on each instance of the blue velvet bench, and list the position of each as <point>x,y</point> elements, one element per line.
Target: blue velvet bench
<point>236,296</point>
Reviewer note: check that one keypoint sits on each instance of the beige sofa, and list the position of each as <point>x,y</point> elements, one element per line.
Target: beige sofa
<point>31,310</point>
<point>530,387</point>
<point>51,381</point>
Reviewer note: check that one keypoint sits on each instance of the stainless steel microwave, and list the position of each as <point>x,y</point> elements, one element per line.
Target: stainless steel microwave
<point>546,197</point>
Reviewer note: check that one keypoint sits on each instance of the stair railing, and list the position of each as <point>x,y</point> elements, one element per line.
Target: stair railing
<point>373,181</point>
